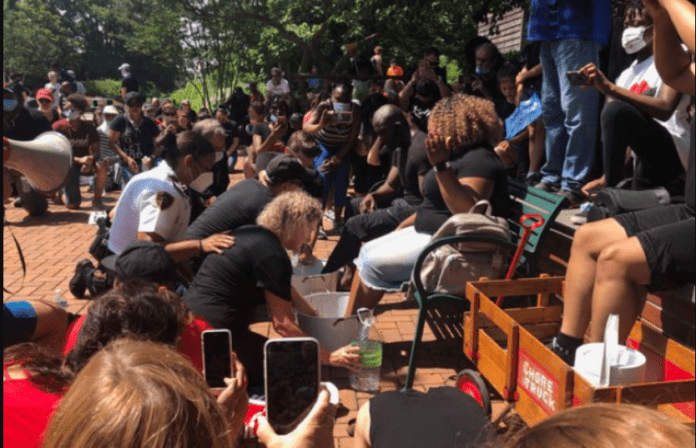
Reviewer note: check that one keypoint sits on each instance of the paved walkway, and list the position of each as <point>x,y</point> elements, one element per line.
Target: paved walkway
<point>52,245</point>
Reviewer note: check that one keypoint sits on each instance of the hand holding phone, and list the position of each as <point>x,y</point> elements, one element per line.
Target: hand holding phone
<point>575,78</point>
<point>217,357</point>
<point>292,380</point>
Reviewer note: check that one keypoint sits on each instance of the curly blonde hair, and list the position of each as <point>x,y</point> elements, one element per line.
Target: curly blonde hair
<point>468,119</point>
<point>288,212</point>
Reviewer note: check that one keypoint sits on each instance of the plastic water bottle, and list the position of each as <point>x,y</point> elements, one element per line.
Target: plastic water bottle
<point>369,340</point>
<point>59,299</point>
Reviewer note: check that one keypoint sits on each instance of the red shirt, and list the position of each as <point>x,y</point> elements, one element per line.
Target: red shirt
<point>26,411</point>
<point>189,345</point>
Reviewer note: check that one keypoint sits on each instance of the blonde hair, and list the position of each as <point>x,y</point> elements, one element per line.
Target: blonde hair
<point>289,212</point>
<point>138,394</point>
<point>606,426</point>
<point>468,119</point>
<point>53,75</point>
<point>210,129</point>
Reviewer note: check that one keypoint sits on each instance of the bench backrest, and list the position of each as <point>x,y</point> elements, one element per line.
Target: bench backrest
<point>530,200</point>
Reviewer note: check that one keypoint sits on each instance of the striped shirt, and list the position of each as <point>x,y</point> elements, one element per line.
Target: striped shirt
<point>336,133</point>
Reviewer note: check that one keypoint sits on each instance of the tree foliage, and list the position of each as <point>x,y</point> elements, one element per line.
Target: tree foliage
<point>224,42</point>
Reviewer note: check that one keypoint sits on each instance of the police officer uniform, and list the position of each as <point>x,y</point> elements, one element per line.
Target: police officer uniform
<point>152,202</point>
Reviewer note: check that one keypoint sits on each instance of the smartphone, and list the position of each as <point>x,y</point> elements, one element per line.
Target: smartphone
<point>217,357</point>
<point>577,79</point>
<point>273,119</point>
<point>292,380</point>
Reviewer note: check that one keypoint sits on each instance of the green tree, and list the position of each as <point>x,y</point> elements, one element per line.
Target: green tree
<point>33,36</point>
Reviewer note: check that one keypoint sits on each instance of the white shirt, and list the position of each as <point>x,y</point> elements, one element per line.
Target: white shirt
<point>643,78</point>
<point>151,203</point>
<point>55,92</point>
<point>280,89</point>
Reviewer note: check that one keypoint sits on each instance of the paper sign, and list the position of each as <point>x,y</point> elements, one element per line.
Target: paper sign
<point>523,116</point>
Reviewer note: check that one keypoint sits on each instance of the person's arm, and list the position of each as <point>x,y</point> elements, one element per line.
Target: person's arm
<point>407,92</point>
<point>283,321</point>
<point>124,91</point>
<point>361,438</point>
<point>673,63</point>
<point>681,14</point>
<point>320,117</point>
<point>128,161</point>
<point>184,250</point>
<point>390,187</point>
<point>277,131</point>
<point>233,146</point>
<point>661,106</point>
<point>408,222</point>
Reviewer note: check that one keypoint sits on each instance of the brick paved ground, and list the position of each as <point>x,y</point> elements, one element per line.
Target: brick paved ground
<point>52,245</point>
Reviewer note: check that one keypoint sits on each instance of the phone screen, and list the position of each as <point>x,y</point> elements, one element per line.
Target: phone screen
<point>292,380</point>
<point>217,358</point>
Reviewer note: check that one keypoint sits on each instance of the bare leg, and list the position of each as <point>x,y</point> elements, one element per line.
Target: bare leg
<point>621,267</point>
<point>589,241</point>
<point>362,296</point>
<point>100,173</point>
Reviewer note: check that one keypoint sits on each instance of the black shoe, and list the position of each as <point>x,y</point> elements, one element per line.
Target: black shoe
<point>532,178</point>
<point>564,353</point>
<point>549,188</point>
<point>78,283</point>
<point>18,203</point>
<point>574,199</point>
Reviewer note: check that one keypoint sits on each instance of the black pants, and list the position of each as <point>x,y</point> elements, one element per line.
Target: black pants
<point>624,125</point>
<point>362,228</point>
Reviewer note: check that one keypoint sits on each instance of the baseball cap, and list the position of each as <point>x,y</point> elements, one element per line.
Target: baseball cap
<point>134,96</point>
<point>124,66</point>
<point>285,167</point>
<point>144,260</point>
<point>44,94</point>
<point>110,110</point>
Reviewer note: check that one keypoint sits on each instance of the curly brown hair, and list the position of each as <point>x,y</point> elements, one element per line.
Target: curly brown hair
<point>469,120</point>
<point>288,212</point>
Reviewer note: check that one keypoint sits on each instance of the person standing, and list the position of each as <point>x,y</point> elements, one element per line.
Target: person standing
<point>571,34</point>
<point>128,83</point>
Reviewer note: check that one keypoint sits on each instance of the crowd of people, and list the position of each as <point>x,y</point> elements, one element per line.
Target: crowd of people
<point>184,251</point>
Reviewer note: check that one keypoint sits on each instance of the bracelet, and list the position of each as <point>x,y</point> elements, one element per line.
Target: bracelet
<point>200,247</point>
<point>441,167</point>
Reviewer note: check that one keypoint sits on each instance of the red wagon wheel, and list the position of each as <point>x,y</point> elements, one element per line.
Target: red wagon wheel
<point>471,383</point>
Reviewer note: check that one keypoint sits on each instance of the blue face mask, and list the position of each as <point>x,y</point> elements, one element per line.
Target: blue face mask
<point>9,104</point>
<point>482,71</point>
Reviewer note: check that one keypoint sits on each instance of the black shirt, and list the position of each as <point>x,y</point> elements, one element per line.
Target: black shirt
<point>26,125</point>
<point>416,164</point>
<point>138,141</point>
<point>230,285</point>
<point>236,207</point>
<point>478,162</point>
<point>420,112</point>
<point>130,83</point>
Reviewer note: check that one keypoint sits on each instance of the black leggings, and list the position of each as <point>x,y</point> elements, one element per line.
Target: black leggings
<point>623,125</point>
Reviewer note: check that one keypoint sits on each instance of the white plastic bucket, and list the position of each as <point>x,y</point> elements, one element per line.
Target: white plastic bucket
<point>330,328</point>
<point>627,365</point>
<point>308,279</point>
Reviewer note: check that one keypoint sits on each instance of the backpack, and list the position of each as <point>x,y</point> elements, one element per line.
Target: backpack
<point>448,268</point>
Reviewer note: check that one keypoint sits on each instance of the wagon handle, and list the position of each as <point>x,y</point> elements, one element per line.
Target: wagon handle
<point>536,221</point>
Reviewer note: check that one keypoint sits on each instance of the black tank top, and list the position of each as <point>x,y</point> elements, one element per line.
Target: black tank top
<point>444,417</point>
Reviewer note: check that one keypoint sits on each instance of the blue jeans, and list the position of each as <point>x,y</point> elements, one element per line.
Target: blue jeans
<point>570,113</point>
<point>337,178</point>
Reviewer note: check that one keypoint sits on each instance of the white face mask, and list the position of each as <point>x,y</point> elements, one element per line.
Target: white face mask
<point>202,182</point>
<point>633,39</point>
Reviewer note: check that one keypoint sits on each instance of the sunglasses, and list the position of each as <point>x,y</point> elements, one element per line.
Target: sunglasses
<point>169,114</point>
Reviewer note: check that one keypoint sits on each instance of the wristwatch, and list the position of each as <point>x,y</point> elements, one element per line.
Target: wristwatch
<point>441,167</point>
